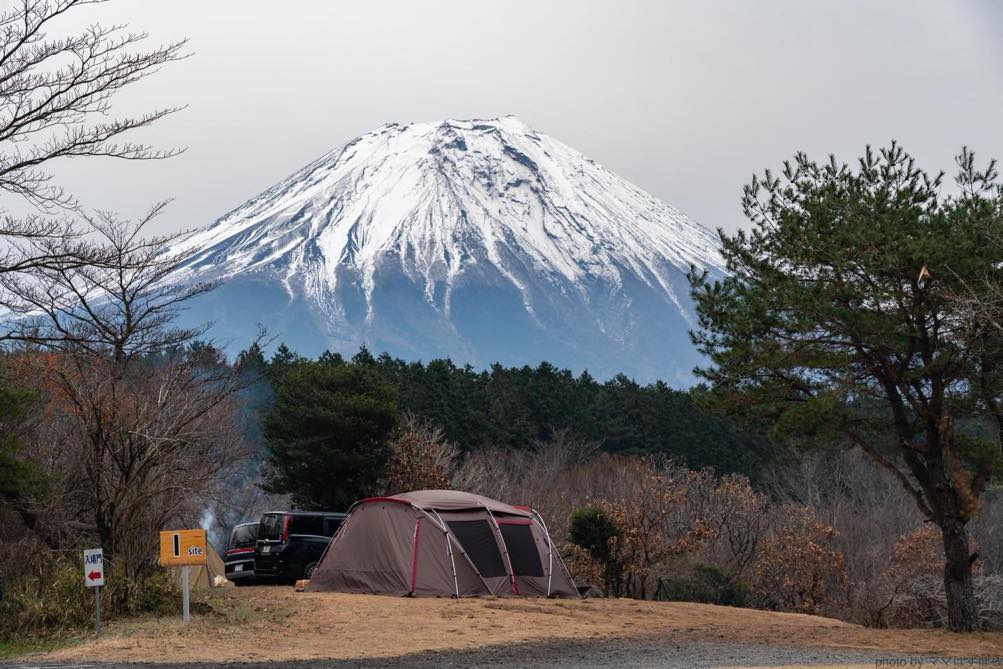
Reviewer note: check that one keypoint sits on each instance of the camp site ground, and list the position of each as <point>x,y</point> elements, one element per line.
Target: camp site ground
<point>385,594</point>
<point>275,625</point>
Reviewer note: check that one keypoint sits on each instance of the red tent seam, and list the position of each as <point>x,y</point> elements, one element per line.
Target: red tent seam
<point>414,553</point>
<point>383,499</point>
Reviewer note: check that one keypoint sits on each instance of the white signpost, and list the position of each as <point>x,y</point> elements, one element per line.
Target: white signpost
<point>94,578</point>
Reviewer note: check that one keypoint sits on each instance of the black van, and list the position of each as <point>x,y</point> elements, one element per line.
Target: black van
<point>291,543</point>
<point>239,557</point>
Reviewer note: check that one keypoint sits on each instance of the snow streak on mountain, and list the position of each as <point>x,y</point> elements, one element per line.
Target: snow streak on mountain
<point>479,240</point>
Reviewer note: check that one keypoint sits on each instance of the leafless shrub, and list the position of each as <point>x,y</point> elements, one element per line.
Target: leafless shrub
<point>738,517</point>
<point>831,533</point>
<point>798,568</point>
<point>894,561</point>
<point>421,458</point>
<point>652,511</point>
<point>987,532</point>
<point>913,584</point>
<point>867,508</point>
<point>515,476</point>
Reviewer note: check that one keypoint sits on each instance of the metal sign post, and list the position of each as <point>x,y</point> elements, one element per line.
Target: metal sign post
<point>97,611</point>
<point>94,578</point>
<point>184,593</point>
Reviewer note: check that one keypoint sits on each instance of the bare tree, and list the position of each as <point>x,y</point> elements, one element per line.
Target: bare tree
<point>421,458</point>
<point>145,422</point>
<point>55,103</point>
<point>125,305</point>
<point>55,96</point>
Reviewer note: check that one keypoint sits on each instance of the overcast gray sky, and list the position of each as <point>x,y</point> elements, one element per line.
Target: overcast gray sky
<point>685,99</point>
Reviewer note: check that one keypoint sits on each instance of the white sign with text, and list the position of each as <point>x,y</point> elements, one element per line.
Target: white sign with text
<point>93,568</point>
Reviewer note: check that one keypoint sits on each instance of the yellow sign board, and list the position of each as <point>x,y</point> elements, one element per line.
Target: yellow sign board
<point>181,547</point>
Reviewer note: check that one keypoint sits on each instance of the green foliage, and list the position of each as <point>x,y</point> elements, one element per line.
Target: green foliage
<point>18,479</point>
<point>863,308</point>
<point>327,433</point>
<point>282,362</point>
<point>840,318</point>
<point>592,530</point>
<point>10,648</point>
<point>840,314</point>
<point>702,583</point>
<point>49,599</point>
<point>514,407</point>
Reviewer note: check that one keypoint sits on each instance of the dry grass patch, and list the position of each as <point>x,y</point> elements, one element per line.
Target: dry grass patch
<point>283,625</point>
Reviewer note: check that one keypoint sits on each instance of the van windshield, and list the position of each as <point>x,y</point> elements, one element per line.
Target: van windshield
<point>271,526</point>
<point>243,536</point>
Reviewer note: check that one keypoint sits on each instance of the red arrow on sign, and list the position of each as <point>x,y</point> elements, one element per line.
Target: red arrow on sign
<point>94,575</point>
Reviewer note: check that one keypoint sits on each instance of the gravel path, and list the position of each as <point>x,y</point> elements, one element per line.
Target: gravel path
<point>624,653</point>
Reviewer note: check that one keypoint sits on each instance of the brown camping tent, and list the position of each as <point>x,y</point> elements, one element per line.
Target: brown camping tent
<point>442,543</point>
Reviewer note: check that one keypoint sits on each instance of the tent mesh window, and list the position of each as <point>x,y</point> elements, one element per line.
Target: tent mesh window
<point>479,543</point>
<point>522,551</point>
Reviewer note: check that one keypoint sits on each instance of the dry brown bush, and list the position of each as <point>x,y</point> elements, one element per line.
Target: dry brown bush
<point>914,582</point>
<point>797,567</point>
<point>653,502</point>
<point>831,533</point>
<point>738,518</point>
<point>421,458</point>
<point>129,450</point>
<point>891,581</point>
<point>867,507</point>
<point>652,510</point>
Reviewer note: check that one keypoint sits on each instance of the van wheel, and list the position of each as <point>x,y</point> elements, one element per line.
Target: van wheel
<point>308,572</point>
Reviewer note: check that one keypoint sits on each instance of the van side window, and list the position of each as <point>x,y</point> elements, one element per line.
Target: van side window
<point>307,525</point>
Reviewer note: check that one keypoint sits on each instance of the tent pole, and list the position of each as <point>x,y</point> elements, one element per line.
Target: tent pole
<point>462,552</point>
<point>501,540</point>
<point>550,550</point>
<point>567,572</point>
<point>449,550</point>
<point>560,560</point>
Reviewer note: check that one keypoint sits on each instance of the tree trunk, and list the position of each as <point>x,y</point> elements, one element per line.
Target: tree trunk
<point>962,611</point>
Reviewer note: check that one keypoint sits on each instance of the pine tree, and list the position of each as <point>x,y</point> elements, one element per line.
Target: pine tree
<point>20,481</point>
<point>327,432</point>
<point>837,323</point>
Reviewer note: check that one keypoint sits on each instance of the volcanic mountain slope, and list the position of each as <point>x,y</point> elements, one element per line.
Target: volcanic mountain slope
<point>479,240</point>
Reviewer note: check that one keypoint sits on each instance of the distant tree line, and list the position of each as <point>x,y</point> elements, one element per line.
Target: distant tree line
<point>333,409</point>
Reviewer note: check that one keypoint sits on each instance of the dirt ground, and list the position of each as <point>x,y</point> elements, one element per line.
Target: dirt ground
<point>278,624</point>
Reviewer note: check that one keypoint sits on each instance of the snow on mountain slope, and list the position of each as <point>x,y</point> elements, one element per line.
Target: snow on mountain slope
<point>481,240</point>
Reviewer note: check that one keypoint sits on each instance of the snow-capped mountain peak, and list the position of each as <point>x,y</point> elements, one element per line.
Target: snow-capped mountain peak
<point>447,209</point>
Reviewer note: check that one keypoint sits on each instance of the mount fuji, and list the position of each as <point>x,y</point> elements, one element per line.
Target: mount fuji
<point>478,240</point>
